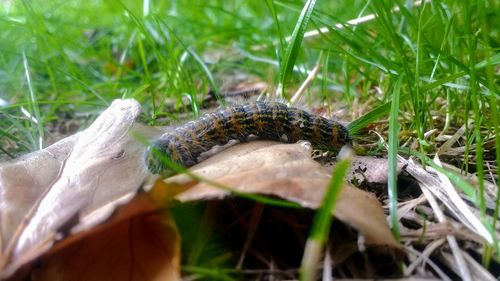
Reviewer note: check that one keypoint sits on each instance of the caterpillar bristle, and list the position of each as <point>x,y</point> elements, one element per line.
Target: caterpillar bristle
<point>264,119</point>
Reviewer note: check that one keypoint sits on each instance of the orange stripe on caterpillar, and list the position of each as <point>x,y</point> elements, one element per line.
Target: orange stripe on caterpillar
<point>265,120</point>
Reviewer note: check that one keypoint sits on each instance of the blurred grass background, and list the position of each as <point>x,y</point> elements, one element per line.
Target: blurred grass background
<point>82,55</point>
<point>61,58</point>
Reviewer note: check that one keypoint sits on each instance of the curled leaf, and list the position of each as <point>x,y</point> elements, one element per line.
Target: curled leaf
<point>70,186</point>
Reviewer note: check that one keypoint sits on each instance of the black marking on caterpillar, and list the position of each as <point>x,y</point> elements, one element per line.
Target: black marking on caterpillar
<point>265,120</point>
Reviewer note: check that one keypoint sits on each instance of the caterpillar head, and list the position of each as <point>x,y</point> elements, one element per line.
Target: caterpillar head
<point>158,159</point>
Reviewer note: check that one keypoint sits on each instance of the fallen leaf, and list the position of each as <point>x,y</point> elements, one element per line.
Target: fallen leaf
<point>22,183</point>
<point>286,171</point>
<point>370,170</point>
<point>138,243</point>
<point>70,186</point>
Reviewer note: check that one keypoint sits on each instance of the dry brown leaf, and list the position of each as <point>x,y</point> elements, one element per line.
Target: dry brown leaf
<point>137,243</point>
<point>21,185</point>
<point>370,170</point>
<point>286,171</point>
<point>70,186</point>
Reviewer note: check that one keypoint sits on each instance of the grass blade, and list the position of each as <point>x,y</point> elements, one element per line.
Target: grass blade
<point>392,158</point>
<point>355,126</point>
<point>272,8</point>
<point>293,48</point>
<point>495,118</point>
<point>322,221</point>
<point>33,105</point>
<point>209,75</point>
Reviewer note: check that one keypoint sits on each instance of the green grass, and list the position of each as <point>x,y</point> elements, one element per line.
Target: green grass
<point>60,60</point>
<point>320,229</point>
<point>293,47</point>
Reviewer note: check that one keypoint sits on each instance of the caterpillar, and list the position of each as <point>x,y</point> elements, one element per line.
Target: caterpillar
<point>265,120</point>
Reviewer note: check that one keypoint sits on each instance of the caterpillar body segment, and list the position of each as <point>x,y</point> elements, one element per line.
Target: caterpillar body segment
<point>265,120</point>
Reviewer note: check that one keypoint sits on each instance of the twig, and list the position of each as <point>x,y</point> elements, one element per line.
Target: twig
<point>307,82</point>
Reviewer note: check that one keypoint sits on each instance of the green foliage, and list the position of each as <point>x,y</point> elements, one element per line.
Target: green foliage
<point>293,48</point>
